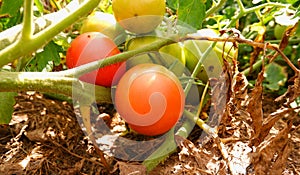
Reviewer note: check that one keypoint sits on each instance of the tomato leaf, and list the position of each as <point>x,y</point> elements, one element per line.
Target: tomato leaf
<point>6,106</point>
<point>192,12</point>
<point>276,76</point>
<point>48,58</point>
<point>173,4</point>
<point>11,7</point>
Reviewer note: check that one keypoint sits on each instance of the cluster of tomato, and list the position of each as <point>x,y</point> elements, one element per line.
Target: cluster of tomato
<point>148,96</point>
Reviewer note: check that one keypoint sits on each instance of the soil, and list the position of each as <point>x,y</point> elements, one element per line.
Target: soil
<point>45,137</point>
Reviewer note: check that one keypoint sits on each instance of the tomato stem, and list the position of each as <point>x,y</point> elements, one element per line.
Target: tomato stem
<point>83,69</point>
<point>59,21</point>
<point>27,30</point>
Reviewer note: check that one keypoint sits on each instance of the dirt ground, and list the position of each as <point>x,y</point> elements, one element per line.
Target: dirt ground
<point>44,137</point>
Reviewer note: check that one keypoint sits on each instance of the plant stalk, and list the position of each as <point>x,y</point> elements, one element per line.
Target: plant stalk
<point>68,16</point>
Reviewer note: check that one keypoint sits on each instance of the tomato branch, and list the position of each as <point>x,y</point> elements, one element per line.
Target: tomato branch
<point>243,11</point>
<point>63,18</point>
<point>63,82</point>
<point>248,42</point>
<point>80,70</point>
<point>215,8</point>
<point>27,30</point>
<point>48,82</point>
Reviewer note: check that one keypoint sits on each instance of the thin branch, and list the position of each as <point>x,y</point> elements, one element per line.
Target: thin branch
<point>215,8</point>
<point>67,16</point>
<point>246,41</point>
<point>27,30</point>
<point>80,70</point>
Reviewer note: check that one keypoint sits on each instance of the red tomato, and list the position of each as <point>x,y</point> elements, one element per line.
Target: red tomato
<point>150,99</point>
<point>89,47</point>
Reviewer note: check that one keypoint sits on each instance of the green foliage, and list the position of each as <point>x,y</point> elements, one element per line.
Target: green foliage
<point>6,106</point>
<point>39,5</point>
<point>46,59</point>
<point>189,12</point>
<point>10,14</point>
<point>275,77</point>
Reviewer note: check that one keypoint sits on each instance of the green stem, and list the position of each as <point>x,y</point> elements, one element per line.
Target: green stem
<point>198,67</point>
<point>68,16</point>
<point>80,70</point>
<point>241,6</point>
<point>215,8</point>
<point>27,30</point>
<point>48,82</point>
<point>254,67</point>
<point>243,11</point>
<point>63,82</point>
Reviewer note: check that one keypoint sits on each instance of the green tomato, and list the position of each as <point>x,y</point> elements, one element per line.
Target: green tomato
<point>171,56</point>
<point>212,65</point>
<point>279,30</point>
<point>104,23</point>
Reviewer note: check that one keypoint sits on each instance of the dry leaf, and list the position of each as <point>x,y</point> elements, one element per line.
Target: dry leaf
<point>293,91</point>
<point>260,38</point>
<point>269,122</point>
<point>131,168</point>
<point>254,107</point>
<point>269,153</point>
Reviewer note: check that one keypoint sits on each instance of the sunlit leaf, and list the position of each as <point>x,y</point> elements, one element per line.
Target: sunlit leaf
<point>11,7</point>
<point>192,12</point>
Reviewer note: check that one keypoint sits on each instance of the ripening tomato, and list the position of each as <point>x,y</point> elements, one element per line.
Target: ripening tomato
<point>104,23</point>
<point>89,47</point>
<point>150,99</point>
<point>139,16</point>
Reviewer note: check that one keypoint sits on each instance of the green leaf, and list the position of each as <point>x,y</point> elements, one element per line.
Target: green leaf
<point>173,4</point>
<point>49,57</point>
<point>6,106</point>
<point>192,12</point>
<point>275,76</point>
<point>39,5</point>
<point>11,7</point>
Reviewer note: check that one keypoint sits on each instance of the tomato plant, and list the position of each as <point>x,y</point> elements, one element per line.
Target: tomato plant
<point>150,98</point>
<point>35,37</point>
<point>139,16</point>
<point>92,46</point>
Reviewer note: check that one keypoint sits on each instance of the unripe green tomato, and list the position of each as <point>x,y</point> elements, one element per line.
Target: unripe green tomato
<point>279,30</point>
<point>171,56</point>
<point>212,65</point>
<point>104,23</point>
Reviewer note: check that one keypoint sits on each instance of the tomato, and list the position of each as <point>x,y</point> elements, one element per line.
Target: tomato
<point>212,65</point>
<point>93,46</point>
<point>172,54</point>
<point>139,16</point>
<point>150,99</point>
<point>104,23</point>
<point>279,30</point>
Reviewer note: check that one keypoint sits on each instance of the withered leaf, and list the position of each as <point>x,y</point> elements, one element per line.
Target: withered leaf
<point>292,92</point>
<point>269,153</point>
<point>131,168</point>
<point>254,107</point>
